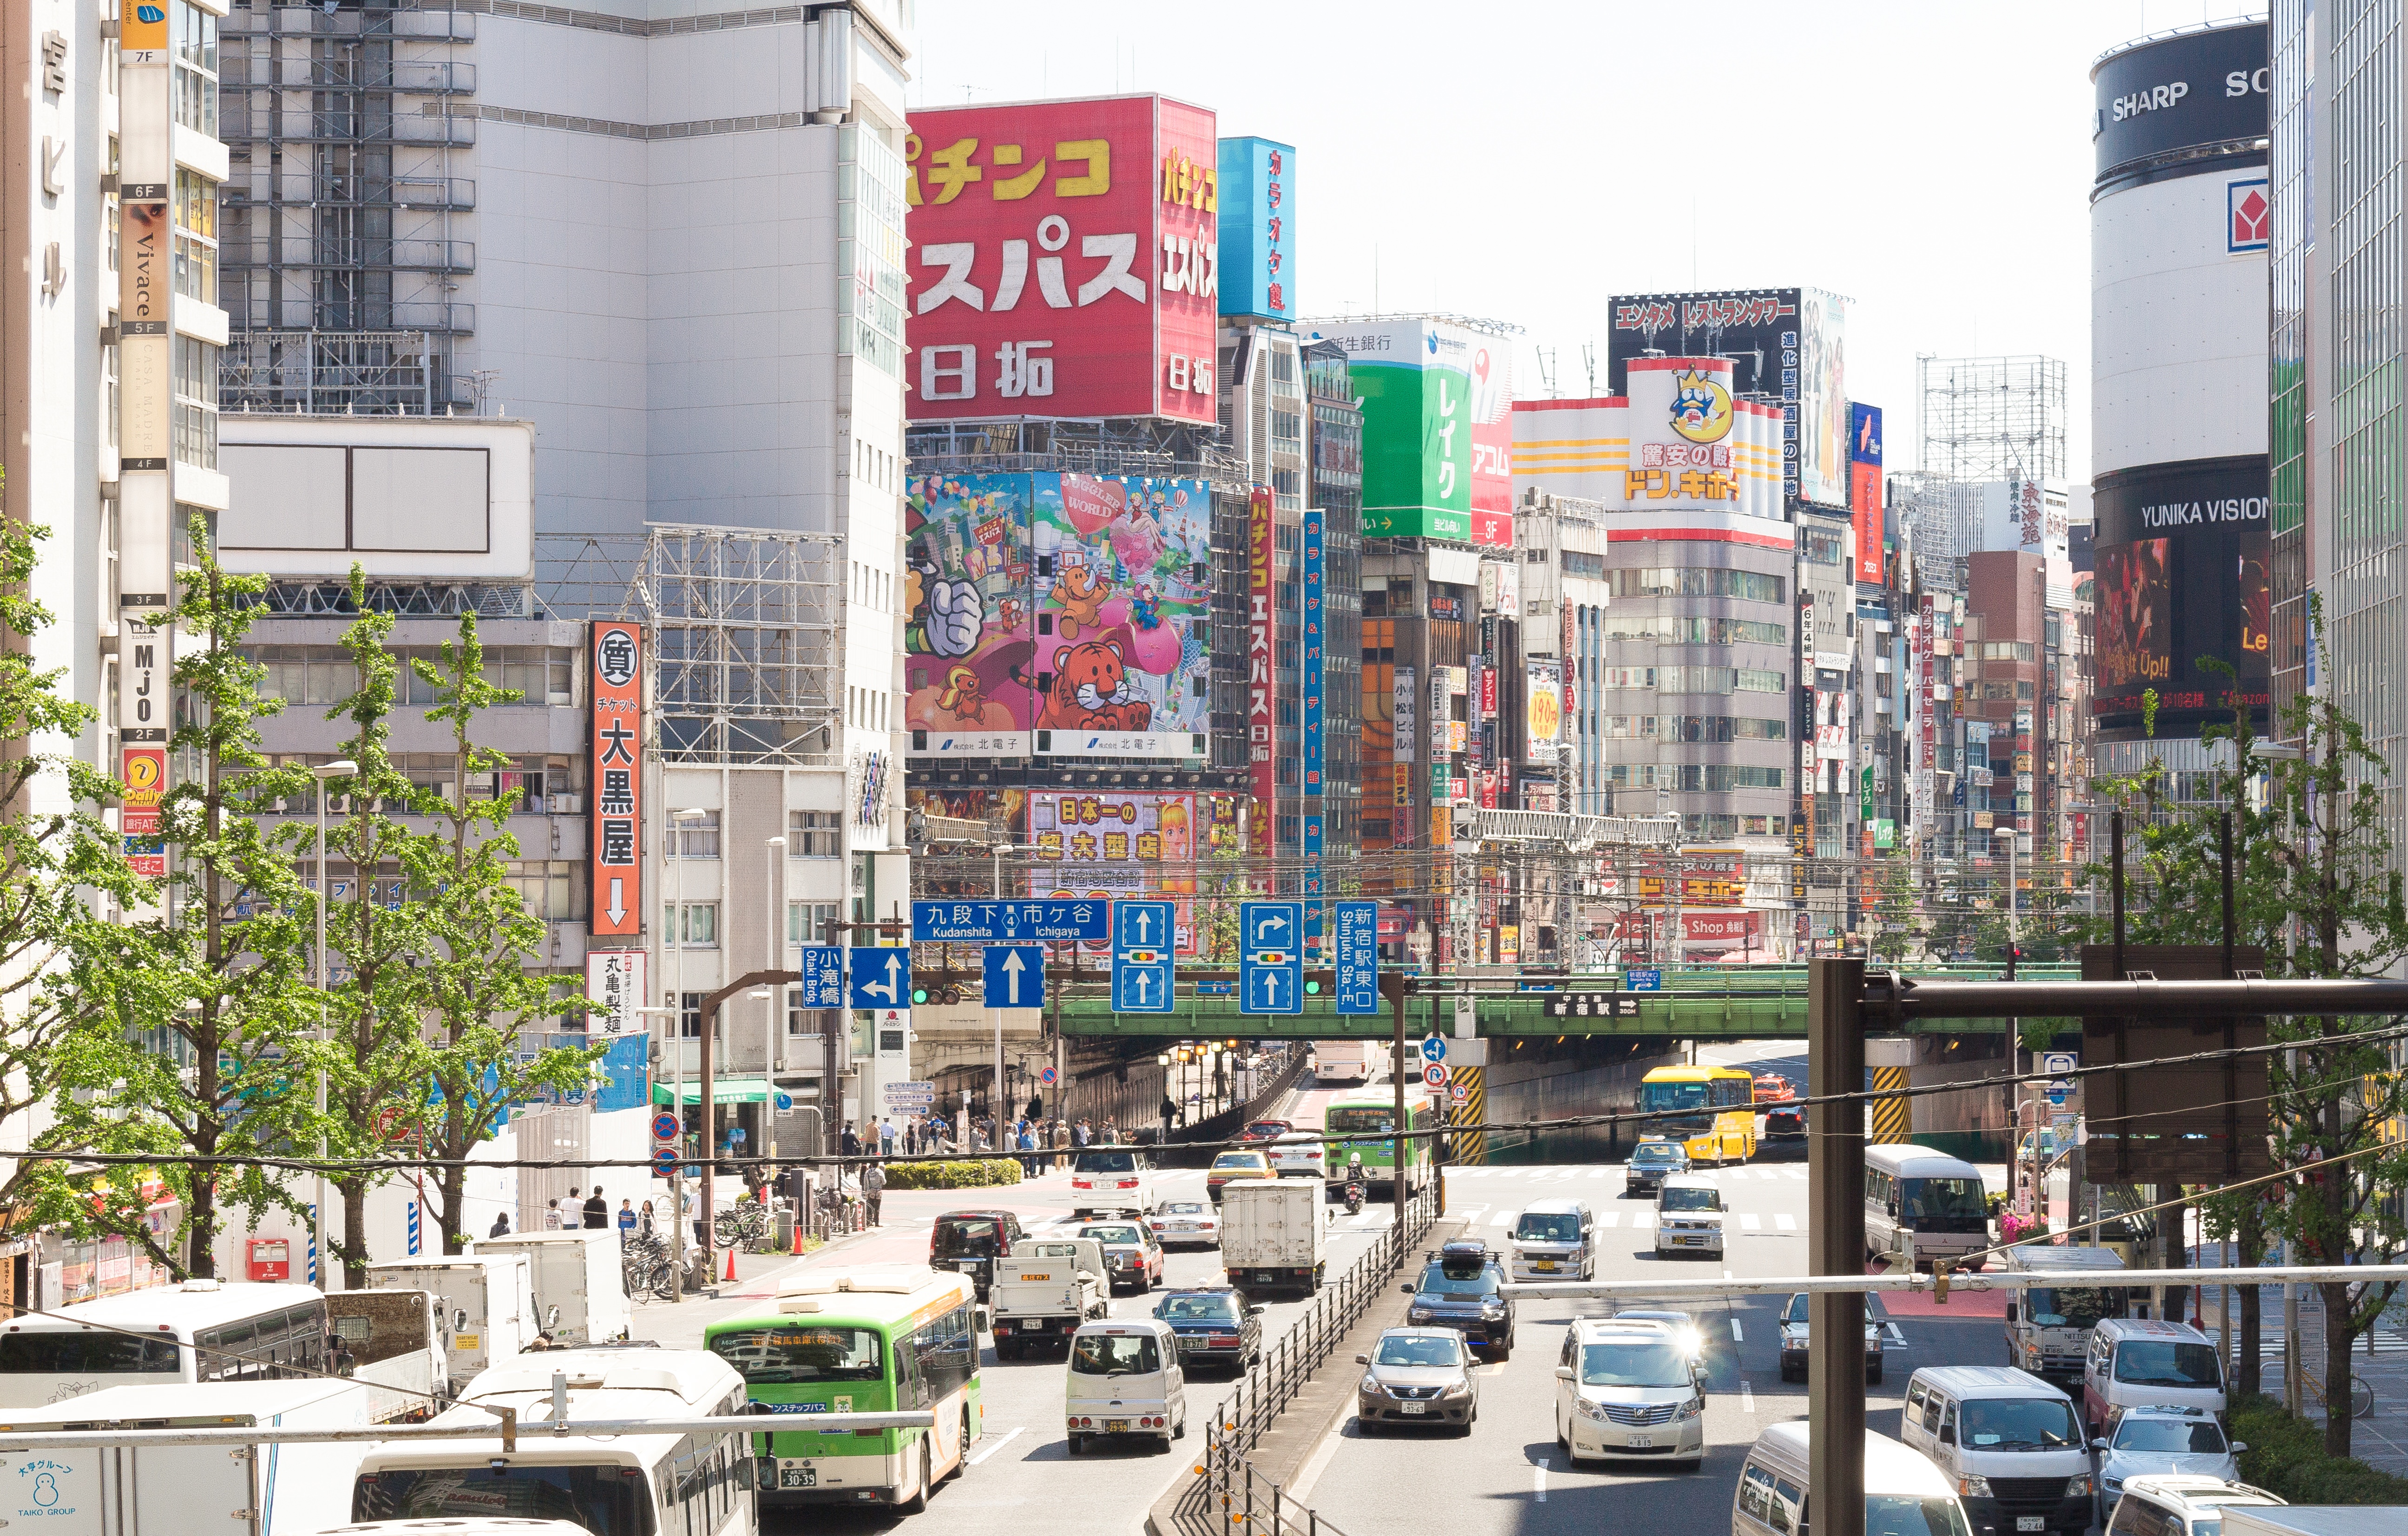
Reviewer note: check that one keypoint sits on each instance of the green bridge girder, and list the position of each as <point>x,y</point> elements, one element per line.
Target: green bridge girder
<point>1762,1003</point>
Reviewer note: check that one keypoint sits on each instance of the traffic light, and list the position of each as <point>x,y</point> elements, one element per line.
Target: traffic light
<point>919,996</point>
<point>1312,988</point>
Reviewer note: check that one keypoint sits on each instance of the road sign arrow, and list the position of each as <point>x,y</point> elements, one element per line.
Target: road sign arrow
<point>1144,918</point>
<point>1012,969</point>
<point>1143,980</point>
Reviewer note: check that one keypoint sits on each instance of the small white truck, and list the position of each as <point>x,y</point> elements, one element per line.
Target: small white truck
<point>1044,1289</point>
<point>397,1344</point>
<point>488,1302</point>
<point>1275,1234</point>
<point>580,1282</point>
<point>180,1490</point>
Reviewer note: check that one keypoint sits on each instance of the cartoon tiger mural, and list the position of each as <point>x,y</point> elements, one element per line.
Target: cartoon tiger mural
<point>1090,691</point>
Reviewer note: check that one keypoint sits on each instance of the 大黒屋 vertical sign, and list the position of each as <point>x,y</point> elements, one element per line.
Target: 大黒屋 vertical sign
<point>617,686</point>
<point>1316,661</point>
<point>145,425</point>
<point>1259,706</point>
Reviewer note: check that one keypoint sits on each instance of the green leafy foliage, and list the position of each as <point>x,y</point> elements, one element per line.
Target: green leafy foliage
<point>2286,1456</point>
<point>959,1173</point>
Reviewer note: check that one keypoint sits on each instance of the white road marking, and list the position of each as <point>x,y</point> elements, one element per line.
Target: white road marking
<point>1539,1482</point>
<point>1896,1337</point>
<point>1609,1218</point>
<point>1009,1437</point>
<point>1797,1174</point>
<point>1746,1397</point>
<point>1750,1221</point>
<point>1784,1221</point>
<point>1503,1217</point>
<point>1642,1220</point>
<point>1736,1337</point>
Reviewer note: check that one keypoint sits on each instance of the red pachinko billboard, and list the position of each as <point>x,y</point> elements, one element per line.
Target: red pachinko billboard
<point>616,686</point>
<point>1065,260</point>
<point>1259,692</point>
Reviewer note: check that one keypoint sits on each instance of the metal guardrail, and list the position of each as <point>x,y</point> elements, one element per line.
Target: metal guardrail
<point>1227,1494</point>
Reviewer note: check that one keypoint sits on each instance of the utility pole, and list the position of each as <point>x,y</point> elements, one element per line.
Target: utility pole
<point>1835,1244</point>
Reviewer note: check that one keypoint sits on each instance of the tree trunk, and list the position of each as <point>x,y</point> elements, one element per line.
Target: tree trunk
<point>355,1234</point>
<point>2340,1332</point>
<point>2249,1250</point>
<point>451,1195</point>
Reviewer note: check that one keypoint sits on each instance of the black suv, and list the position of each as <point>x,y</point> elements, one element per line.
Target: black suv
<point>968,1243</point>
<point>1462,1286</point>
<point>1215,1324</point>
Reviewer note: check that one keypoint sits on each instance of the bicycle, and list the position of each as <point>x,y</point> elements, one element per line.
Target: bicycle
<point>646,1269</point>
<point>2361,1396</point>
<point>749,1221</point>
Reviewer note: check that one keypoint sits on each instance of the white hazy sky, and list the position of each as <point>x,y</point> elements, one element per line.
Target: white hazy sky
<point>1523,160</point>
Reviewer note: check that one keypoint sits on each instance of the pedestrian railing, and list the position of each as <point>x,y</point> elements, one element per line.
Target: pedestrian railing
<point>1229,1496</point>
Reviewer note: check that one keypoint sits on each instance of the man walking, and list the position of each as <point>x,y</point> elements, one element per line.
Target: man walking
<point>886,1136</point>
<point>873,1186</point>
<point>598,1211</point>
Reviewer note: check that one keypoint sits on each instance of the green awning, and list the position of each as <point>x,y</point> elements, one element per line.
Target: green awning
<point>725,1090</point>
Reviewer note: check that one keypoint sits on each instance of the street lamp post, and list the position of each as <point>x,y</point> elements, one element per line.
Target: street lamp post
<point>324,773</point>
<point>994,887</point>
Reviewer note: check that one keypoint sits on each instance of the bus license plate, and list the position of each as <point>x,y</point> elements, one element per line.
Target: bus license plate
<point>798,1478</point>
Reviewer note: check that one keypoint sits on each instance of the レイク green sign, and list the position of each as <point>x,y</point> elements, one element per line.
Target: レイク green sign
<point>1414,378</point>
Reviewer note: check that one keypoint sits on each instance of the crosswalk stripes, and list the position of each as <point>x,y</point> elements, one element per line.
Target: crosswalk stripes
<point>1609,1218</point>
<point>1784,1221</point>
<point>1501,1218</point>
<point>1750,1221</point>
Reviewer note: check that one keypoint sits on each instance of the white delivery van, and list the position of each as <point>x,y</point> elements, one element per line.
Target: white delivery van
<point>580,1282</point>
<point>488,1301</point>
<point>2142,1362</point>
<point>177,1490</point>
<point>1553,1240</point>
<point>1924,1204</point>
<point>1905,1495</point>
<point>1275,1234</point>
<point>397,1344</point>
<point>2009,1440</point>
<point>1125,1383</point>
<point>2048,1326</point>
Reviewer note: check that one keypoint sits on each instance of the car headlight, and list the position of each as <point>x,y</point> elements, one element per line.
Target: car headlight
<point>1492,1309</point>
<point>2113,1484</point>
<point>1973,1485</point>
<point>1589,1408</point>
<point>1370,1383</point>
<point>1418,1315</point>
<point>1690,1410</point>
<point>2078,1488</point>
<point>1461,1388</point>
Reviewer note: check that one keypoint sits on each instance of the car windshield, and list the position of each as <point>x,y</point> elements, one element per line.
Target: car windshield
<point>1197,1309</point>
<point>602,1500</point>
<point>1439,1280</point>
<point>1892,1514</point>
<point>1929,1199</point>
<point>1423,1349</point>
<point>1239,1160</point>
<point>1184,1207</point>
<point>965,1237</point>
<point>1634,1363</point>
<point>1547,1227</point>
<point>1105,1162</point>
<point>2155,1362</point>
<point>786,1354</point>
<point>1876,1314</point>
<point>1658,1152</point>
<point>1116,1232</point>
<point>2073,1307</point>
<point>1691,1200</point>
<point>2171,1437</point>
<point>1266,1128</point>
<point>1115,1355</point>
<point>2021,1424</point>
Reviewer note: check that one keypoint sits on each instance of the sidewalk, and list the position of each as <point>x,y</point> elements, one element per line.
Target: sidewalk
<point>2379,1358</point>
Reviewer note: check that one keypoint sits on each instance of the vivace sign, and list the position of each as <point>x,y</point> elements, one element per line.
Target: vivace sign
<point>1067,260</point>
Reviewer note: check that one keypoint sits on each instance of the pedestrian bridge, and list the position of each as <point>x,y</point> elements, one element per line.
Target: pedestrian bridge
<point>1710,1003</point>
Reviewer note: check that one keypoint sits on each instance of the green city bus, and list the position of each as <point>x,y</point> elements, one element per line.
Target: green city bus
<point>1375,1110</point>
<point>864,1343</point>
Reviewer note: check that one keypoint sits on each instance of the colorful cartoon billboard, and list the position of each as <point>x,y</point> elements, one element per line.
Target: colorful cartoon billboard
<point>1058,614</point>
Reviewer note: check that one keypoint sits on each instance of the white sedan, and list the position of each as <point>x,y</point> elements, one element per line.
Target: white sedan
<point>1185,1223</point>
<point>1109,1179</point>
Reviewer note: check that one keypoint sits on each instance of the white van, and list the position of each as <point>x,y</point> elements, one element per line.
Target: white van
<point>2142,1361</point>
<point>579,1275</point>
<point>1905,1495</point>
<point>1124,1381</point>
<point>2010,1443</point>
<point>2048,1327</point>
<point>1924,1204</point>
<point>1689,1212</point>
<point>1553,1240</point>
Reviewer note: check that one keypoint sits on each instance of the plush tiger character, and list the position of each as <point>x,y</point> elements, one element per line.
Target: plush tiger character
<point>1090,691</point>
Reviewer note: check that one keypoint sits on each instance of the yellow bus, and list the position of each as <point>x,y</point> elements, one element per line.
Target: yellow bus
<point>1717,1104</point>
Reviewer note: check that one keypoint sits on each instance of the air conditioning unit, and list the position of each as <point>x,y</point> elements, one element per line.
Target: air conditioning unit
<point>563,805</point>
<point>338,805</point>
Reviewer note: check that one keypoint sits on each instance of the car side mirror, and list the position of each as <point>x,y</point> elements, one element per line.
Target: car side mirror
<point>1407,1289</point>
<point>1255,1310</point>
<point>1563,1372</point>
<point>2238,1446</point>
<point>552,1318</point>
<point>2099,1445</point>
<point>1362,1359</point>
<point>2010,1312</point>
<point>459,1319</point>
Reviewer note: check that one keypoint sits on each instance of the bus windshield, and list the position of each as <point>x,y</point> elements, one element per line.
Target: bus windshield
<point>2073,1307</point>
<point>1663,1096</point>
<point>606,1500</point>
<point>1361,1118</point>
<point>789,1354</point>
<point>1928,1200</point>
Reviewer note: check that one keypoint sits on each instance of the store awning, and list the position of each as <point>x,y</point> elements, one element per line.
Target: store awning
<point>723,1090</point>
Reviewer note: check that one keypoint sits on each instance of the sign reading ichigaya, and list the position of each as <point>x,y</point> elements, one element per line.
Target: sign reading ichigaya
<point>616,740</point>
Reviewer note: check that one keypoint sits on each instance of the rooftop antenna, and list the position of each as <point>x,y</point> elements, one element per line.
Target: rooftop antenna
<point>1547,370</point>
<point>1588,361</point>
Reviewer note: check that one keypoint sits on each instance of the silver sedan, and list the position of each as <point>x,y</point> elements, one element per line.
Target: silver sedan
<point>1417,1376</point>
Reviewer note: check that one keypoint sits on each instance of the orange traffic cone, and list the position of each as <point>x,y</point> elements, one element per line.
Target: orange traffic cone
<point>730,1276</point>
<point>798,1239</point>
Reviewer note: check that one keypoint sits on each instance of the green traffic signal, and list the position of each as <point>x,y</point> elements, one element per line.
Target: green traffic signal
<point>919,995</point>
<point>1312,988</point>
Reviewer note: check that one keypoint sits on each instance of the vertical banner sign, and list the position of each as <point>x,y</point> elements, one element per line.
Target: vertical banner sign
<point>1865,489</point>
<point>1316,665</point>
<point>614,989</point>
<point>1257,228</point>
<point>145,406</point>
<point>618,746</point>
<point>1260,732</point>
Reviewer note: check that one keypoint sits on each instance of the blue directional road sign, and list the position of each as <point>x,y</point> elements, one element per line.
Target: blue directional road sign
<point>1010,922</point>
<point>1434,1049</point>
<point>1270,958</point>
<point>882,978</point>
<point>822,970</point>
<point>1642,978</point>
<point>1358,956</point>
<point>1014,974</point>
<point>1142,962</point>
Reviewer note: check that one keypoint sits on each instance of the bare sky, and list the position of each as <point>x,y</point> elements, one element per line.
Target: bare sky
<point>1522,159</point>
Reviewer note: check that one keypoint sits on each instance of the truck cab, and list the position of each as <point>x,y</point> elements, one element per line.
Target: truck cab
<point>1044,1289</point>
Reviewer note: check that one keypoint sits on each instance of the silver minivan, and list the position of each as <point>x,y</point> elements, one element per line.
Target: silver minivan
<point>1903,1491</point>
<point>1553,1240</point>
<point>2010,1444</point>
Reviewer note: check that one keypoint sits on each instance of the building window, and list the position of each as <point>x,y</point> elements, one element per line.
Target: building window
<point>197,403</point>
<point>548,888</point>
<point>691,924</point>
<point>815,834</point>
<point>811,922</point>
<point>196,236</point>
<point>697,837</point>
<point>195,43</point>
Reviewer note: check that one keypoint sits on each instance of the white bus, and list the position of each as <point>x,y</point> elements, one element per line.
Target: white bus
<point>199,1331</point>
<point>634,1484</point>
<point>1344,1061</point>
<point>1929,1200</point>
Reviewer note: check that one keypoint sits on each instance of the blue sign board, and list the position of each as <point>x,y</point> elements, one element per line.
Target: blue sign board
<point>1143,957</point>
<point>1010,922</point>
<point>665,1127</point>
<point>1257,212</point>
<point>1014,974</point>
<point>882,978</point>
<point>665,1161</point>
<point>1358,956</point>
<point>1270,958</point>
<point>823,969</point>
<point>785,1103</point>
<point>1642,978</point>
<point>1434,1049</point>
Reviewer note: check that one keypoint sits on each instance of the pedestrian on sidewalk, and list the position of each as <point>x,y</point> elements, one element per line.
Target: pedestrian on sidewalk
<point>1061,1144</point>
<point>850,1143</point>
<point>886,1136</point>
<point>597,1211</point>
<point>626,1218</point>
<point>501,1224</point>
<point>644,1224</point>
<point>873,1187</point>
<point>551,1216</point>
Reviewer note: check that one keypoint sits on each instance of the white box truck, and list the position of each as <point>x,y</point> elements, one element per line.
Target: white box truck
<point>487,1299</point>
<point>397,1344</point>
<point>1275,1233</point>
<point>188,1491</point>
<point>580,1282</point>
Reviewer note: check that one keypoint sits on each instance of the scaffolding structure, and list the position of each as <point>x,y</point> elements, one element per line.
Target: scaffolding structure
<point>744,629</point>
<point>1990,417</point>
<point>330,373</point>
